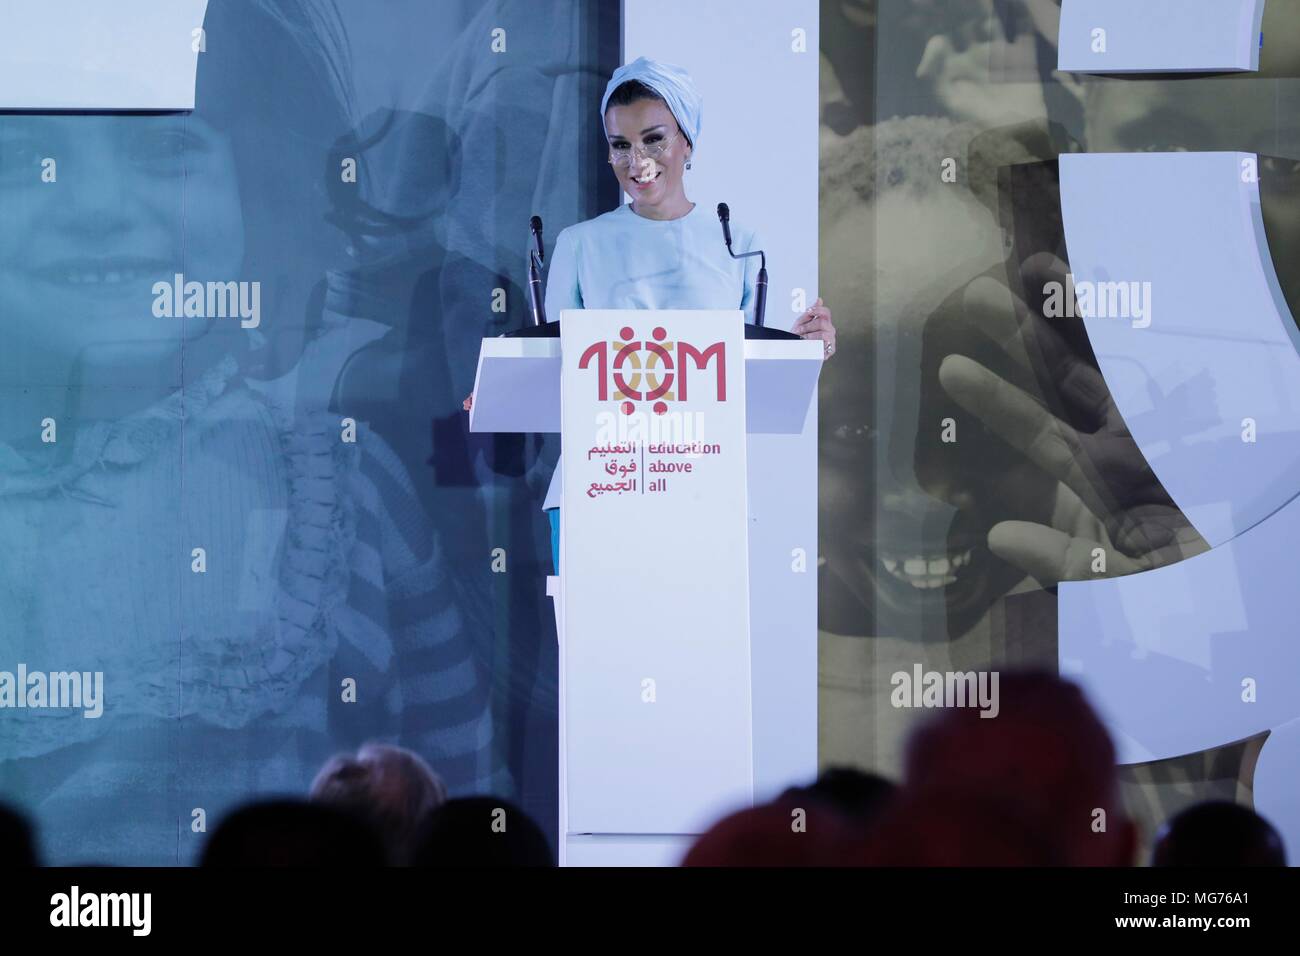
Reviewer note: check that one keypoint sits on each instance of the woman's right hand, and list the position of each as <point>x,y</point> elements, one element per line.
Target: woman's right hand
<point>469,402</point>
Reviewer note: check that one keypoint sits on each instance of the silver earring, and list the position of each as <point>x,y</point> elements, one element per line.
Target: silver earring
<point>688,164</point>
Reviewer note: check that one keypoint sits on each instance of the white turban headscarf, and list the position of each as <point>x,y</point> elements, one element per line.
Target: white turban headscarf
<point>672,83</point>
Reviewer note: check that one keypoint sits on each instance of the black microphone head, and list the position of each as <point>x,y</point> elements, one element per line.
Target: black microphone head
<point>535,224</point>
<point>723,212</point>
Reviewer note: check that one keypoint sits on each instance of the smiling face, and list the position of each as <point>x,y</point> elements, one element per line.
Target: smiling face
<point>905,514</point>
<point>129,201</point>
<point>655,184</point>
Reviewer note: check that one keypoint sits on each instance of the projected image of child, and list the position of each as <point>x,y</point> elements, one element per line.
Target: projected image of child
<point>184,507</point>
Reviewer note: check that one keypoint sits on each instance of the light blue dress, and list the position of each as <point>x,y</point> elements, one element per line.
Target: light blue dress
<point>620,260</point>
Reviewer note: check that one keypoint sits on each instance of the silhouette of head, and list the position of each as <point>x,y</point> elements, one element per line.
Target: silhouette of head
<point>1218,833</point>
<point>279,833</point>
<point>944,829</point>
<point>1044,766</point>
<point>481,831</point>
<point>858,796</point>
<point>797,829</point>
<point>17,842</point>
<point>391,787</point>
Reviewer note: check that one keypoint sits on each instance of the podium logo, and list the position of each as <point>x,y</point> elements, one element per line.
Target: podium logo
<point>654,370</point>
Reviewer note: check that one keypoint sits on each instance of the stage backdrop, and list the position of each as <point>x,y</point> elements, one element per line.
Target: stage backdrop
<point>948,144</point>
<point>245,527</point>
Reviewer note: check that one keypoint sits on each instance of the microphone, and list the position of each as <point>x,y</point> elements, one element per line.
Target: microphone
<point>760,284</point>
<point>536,258</point>
<point>724,214</point>
<point>535,227</point>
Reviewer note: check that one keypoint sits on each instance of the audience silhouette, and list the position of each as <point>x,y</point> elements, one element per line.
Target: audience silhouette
<point>1036,785</point>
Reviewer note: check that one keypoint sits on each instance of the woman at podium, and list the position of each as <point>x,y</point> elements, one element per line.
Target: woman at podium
<point>661,251</point>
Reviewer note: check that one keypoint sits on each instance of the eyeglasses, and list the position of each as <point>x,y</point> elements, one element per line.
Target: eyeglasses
<point>622,155</point>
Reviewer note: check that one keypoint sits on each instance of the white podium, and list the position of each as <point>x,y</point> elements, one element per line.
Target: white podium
<point>686,606</point>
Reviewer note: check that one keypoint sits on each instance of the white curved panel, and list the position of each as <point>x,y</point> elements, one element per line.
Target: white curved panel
<point>1205,354</point>
<point>1164,654</point>
<point>99,54</point>
<point>1160,36</point>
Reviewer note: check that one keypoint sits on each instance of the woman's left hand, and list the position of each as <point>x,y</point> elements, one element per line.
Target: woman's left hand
<point>816,324</point>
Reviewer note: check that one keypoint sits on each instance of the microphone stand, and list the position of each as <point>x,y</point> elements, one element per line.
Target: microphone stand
<point>760,285</point>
